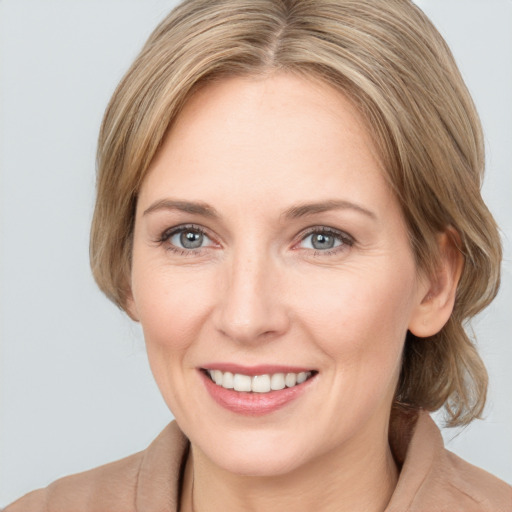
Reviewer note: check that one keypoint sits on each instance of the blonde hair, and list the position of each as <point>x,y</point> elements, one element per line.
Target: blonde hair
<point>390,60</point>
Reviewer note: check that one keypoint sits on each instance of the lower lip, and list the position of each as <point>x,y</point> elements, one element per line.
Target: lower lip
<point>253,404</point>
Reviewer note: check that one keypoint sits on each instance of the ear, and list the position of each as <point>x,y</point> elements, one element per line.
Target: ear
<point>437,296</point>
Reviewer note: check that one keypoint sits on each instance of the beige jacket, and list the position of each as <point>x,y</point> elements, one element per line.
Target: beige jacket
<point>431,479</point>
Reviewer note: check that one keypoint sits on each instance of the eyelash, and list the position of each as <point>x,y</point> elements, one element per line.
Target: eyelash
<point>346,240</point>
<point>169,233</point>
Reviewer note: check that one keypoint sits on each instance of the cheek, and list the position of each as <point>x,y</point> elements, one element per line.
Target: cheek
<point>360,321</point>
<point>171,305</point>
<point>172,310</point>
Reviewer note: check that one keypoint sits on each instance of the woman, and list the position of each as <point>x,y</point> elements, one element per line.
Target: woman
<point>288,202</point>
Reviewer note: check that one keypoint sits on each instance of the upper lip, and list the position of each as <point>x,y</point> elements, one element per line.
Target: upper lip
<point>260,369</point>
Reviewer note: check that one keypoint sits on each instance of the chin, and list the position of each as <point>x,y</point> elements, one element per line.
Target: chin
<point>257,455</point>
<point>261,466</point>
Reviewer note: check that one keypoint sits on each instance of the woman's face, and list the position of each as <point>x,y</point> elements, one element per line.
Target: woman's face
<point>268,248</point>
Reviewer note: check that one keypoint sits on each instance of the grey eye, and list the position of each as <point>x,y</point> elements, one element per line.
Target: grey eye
<point>322,241</point>
<point>188,239</point>
<point>191,240</point>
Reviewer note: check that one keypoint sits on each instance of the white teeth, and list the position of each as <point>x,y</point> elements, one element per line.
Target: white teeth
<point>217,377</point>
<point>258,383</point>
<point>242,382</point>
<point>290,380</point>
<point>261,383</point>
<point>227,380</point>
<point>301,377</point>
<point>277,381</point>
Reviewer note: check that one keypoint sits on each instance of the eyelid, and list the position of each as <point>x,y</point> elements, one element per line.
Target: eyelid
<point>168,233</point>
<point>346,239</point>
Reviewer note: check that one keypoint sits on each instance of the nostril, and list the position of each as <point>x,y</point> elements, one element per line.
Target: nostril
<point>250,307</point>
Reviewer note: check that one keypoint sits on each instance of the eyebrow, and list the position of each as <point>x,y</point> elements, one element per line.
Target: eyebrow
<point>306,209</point>
<point>295,212</point>
<point>196,208</point>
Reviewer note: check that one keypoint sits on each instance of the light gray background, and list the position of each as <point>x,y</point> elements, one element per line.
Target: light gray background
<point>76,390</point>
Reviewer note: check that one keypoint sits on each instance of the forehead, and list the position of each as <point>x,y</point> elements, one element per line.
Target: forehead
<point>270,136</point>
<point>269,111</point>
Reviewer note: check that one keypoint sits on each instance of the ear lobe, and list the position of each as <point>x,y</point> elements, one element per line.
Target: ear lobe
<point>438,299</point>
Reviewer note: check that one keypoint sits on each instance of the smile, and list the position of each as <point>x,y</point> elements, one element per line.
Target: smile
<point>256,390</point>
<point>257,383</point>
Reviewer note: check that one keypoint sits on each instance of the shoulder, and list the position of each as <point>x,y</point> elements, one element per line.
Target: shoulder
<point>110,487</point>
<point>127,485</point>
<point>482,488</point>
<point>433,478</point>
<point>454,484</point>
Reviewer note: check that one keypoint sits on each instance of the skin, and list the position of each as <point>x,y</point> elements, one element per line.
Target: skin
<point>257,292</point>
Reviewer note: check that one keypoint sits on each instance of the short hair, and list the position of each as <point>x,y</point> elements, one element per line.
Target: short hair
<point>392,63</point>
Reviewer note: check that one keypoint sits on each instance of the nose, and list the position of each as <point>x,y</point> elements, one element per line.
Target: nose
<point>251,306</point>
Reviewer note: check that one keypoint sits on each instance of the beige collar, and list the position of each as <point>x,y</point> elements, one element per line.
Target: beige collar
<point>431,478</point>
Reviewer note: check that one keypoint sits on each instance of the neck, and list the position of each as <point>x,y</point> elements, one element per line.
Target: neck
<point>360,477</point>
